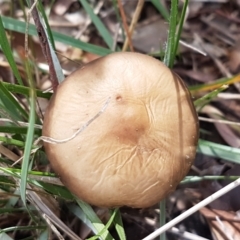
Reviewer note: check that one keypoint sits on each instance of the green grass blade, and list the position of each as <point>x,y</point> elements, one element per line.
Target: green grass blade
<point>171,41</point>
<point>78,212</point>
<point>201,102</point>
<point>18,130</point>
<point>19,26</point>
<point>103,31</point>
<point>27,153</point>
<point>82,45</point>
<point>11,105</point>
<point>55,190</point>
<point>14,88</point>
<point>51,188</point>
<point>98,225</point>
<point>159,6</point>
<point>180,26</point>
<point>18,228</point>
<point>219,151</point>
<point>109,223</point>
<point>12,141</point>
<point>169,58</point>
<point>29,140</point>
<point>119,225</point>
<point>8,52</point>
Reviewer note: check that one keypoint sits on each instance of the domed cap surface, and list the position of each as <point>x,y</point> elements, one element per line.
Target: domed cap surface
<point>139,131</point>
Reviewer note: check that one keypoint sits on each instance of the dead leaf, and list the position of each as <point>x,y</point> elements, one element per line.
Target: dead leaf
<point>223,225</point>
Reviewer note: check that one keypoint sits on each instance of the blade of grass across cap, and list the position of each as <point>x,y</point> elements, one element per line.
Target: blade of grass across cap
<point>19,26</point>
<point>92,216</point>
<point>219,151</point>
<point>160,7</point>
<point>5,46</point>
<point>103,31</point>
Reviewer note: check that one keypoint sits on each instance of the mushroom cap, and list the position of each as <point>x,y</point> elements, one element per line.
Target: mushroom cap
<point>137,131</point>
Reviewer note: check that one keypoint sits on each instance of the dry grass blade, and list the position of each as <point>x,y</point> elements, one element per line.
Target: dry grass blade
<point>8,153</point>
<point>223,224</point>
<point>36,200</point>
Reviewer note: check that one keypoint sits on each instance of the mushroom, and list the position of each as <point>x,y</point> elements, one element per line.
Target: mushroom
<point>123,131</point>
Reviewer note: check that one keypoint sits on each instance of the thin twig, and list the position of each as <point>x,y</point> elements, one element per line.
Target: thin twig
<point>37,201</point>
<point>133,23</point>
<point>192,47</point>
<point>124,20</point>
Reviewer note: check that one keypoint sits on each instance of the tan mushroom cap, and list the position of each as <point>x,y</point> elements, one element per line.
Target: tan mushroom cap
<point>141,137</point>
